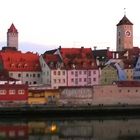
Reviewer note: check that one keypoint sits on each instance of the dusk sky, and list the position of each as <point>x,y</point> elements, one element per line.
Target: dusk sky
<point>43,24</point>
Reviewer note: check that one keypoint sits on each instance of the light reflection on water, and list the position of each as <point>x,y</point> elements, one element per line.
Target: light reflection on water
<point>70,129</point>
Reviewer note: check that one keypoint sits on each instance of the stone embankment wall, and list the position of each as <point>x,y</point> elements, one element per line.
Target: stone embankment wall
<point>100,95</point>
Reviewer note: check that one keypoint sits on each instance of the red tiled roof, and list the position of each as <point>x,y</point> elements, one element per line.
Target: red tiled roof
<point>18,61</point>
<point>52,60</point>
<point>12,29</point>
<point>78,58</point>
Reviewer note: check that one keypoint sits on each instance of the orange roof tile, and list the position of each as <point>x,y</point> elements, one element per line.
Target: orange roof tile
<point>78,58</point>
<point>18,61</point>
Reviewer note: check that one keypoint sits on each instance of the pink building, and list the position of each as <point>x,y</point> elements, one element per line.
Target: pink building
<point>81,66</point>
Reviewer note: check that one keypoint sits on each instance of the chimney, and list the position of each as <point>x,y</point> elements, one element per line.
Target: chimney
<point>95,47</point>
<point>108,48</point>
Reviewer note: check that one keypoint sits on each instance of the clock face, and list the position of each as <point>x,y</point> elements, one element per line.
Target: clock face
<point>128,33</point>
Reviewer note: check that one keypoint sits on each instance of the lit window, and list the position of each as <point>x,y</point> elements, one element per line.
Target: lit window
<point>20,91</point>
<point>12,91</point>
<point>2,92</point>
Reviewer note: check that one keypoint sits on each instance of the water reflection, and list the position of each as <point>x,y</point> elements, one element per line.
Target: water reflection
<point>70,129</point>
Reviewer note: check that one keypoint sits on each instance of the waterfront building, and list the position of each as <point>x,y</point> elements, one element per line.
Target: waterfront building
<point>109,74</point>
<point>124,34</point>
<point>137,70</point>
<point>53,71</point>
<point>12,37</point>
<point>12,91</point>
<point>81,66</point>
<point>22,66</point>
<point>40,95</point>
<point>102,56</point>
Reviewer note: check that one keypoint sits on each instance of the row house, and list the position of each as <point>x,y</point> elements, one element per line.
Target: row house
<point>81,66</point>
<point>22,66</point>
<point>69,67</point>
<point>53,72</point>
<point>12,91</point>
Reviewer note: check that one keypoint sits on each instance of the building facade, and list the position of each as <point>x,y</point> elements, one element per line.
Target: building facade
<point>22,66</point>
<point>124,34</point>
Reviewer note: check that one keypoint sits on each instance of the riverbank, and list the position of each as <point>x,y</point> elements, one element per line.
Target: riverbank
<point>70,110</point>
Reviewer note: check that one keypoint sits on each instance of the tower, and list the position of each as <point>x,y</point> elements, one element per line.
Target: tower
<point>12,37</point>
<point>124,34</point>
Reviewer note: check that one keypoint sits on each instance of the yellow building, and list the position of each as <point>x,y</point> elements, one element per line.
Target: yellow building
<point>43,96</point>
<point>129,74</point>
<point>108,75</point>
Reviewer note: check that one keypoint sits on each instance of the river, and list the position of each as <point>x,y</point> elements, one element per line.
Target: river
<point>71,128</point>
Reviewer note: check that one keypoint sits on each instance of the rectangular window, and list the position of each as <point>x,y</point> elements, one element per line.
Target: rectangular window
<point>80,79</point>
<point>63,80</point>
<point>72,80</point>
<point>27,75</point>
<point>54,72</point>
<point>89,73</point>
<point>72,72</point>
<point>3,92</point>
<point>21,91</point>
<point>58,72</point>
<point>34,75</point>
<point>12,92</point>
<point>38,75</point>
<point>63,72</point>
<point>85,72</point>
<point>94,72</point>
<point>94,79</point>
<point>11,74</point>
<point>80,72</point>
<point>19,75</point>
<point>76,73</point>
<point>85,79</point>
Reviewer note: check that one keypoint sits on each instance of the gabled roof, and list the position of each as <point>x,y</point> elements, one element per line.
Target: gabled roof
<point>17,61</point>
<point>78,58</point>
<point>51,51</point>
<point>102,53</point>
<point>124,21</point>
<point>12,29</point>
<point>52,60</point>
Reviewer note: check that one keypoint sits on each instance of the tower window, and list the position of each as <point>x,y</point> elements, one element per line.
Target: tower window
<point>119,41</point>
<point>119,33</point>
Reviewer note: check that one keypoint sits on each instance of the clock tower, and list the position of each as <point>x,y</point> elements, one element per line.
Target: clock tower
<point>124,34</point>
